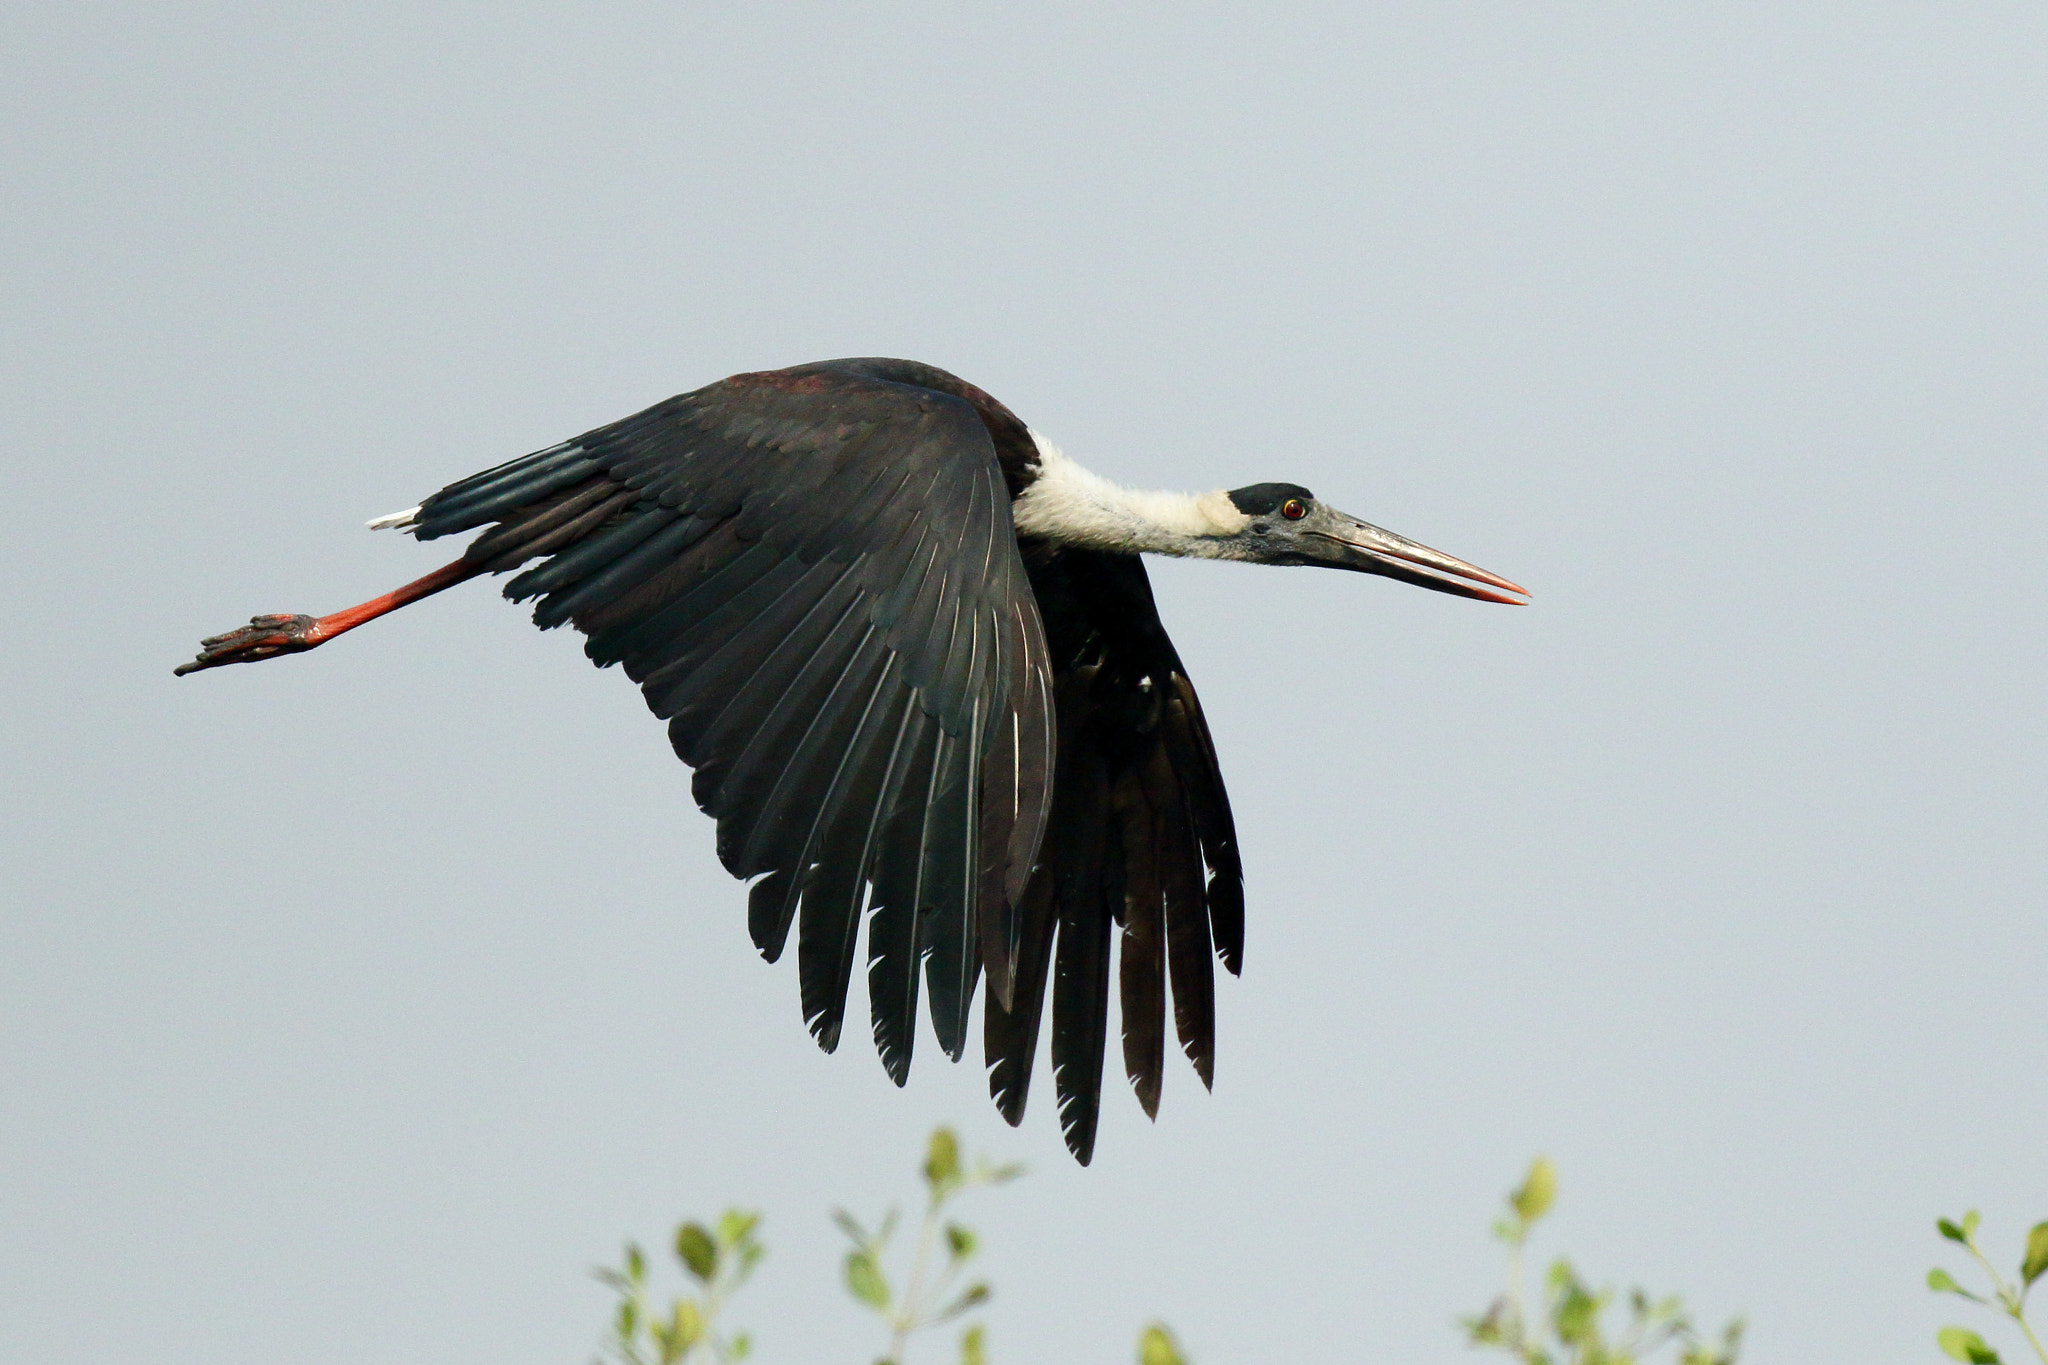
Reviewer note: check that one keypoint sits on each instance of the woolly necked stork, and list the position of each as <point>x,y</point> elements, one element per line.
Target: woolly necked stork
<point>910,650</point>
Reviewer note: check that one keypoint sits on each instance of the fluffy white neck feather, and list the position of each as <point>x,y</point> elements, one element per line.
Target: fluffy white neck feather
<point>1071,506</point>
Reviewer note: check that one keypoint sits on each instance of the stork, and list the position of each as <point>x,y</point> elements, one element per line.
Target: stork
<point>910,651</point>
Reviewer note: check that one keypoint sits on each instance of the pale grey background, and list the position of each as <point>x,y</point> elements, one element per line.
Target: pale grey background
<point>350,1008</point>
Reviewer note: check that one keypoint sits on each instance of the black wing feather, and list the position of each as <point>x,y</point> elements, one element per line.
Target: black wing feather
<point>559,521</point>
<point>893,959</point>
<point>1073,836</point>
<point>1140,834</point>
<point>832,883</point>
<point>1090,894</point>
<point>952,946</point>
<point>1141,952</point>
<point>1178,859</point>
<point>812,574</point>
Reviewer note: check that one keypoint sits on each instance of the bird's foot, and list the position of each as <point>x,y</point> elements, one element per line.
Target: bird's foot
<point>265,637</point>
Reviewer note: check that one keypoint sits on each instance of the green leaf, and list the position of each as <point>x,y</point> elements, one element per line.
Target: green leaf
<point>688,1326</point>
<point>1731,1346</point>
<point>736,1225</point>
<point>629,1319</point>
<point>974,1296</point>
<point>674,1339</point>
<point>1951,1231</point>
<point>1941,1282</point>
<point>2036,1263</point>
<point>1960,1343</point>
<point>942,1161</point>
<point>959,1241</point>
<point>740,1347</point>
<point>1490,1329</point>
<point>1576,1316</point>
<point>850,1225</point>
<point>972,1351</point>
<point>1970,1223</point>
<point>636,1262</point>
<point>864,1280</point>
<point>1157,1347</point>
<point>1538,1191</point>
<point>696,1250</point>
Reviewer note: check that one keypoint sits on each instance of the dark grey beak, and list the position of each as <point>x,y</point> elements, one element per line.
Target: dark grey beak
<point>1353,544</point>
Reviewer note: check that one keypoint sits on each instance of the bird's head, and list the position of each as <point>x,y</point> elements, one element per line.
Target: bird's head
<point>1284,523</point>
<point>1261,523</point>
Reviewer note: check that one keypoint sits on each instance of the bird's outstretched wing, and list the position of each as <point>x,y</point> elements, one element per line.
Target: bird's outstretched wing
<point>813,576</point>
<point>1140,836</point>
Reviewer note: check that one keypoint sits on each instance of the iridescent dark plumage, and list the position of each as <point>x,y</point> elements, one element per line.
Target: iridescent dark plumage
<point>911,653</point>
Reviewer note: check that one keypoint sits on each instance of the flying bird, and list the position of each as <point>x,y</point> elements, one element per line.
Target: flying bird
<point>910,651</point>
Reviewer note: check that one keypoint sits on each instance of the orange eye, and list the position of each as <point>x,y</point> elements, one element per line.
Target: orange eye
<point>1294,509</point>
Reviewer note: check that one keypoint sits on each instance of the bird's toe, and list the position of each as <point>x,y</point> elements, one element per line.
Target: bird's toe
<point>264,637</point>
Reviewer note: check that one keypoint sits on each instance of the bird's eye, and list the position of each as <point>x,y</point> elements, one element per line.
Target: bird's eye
<point>1294,509</point>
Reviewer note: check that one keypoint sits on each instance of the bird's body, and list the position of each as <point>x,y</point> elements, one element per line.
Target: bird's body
<point>912,655</point>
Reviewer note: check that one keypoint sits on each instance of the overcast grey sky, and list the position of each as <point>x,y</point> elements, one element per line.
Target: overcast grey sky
<point>352,1007</point>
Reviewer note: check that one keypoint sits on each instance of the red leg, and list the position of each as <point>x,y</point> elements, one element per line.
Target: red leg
<point>266,637</point>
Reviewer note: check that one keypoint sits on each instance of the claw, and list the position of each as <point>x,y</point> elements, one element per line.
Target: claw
<point>264,637</point>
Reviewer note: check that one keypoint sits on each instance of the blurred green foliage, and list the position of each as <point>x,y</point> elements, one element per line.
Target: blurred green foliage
<point>1573,1326</point>
<point>1156,1346</point>
<point>719,1259</point>
<point>2007,1296</point>
<point>943,1249</point>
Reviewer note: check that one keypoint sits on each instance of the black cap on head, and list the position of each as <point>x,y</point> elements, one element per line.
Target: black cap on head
<point>1257,499</point>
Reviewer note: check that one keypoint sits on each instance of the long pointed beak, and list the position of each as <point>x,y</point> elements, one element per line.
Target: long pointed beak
<point>1368,549</point>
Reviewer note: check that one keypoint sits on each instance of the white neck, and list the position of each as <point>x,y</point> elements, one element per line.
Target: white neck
<point>1069,505</point>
